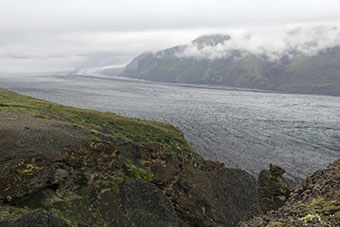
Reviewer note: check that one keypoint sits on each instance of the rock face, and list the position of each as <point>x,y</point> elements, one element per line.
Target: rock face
<point>273,188</point>
<point>315,202</point>
<point>215,198</point>
<point>98,169</point>
<point>144,202</point>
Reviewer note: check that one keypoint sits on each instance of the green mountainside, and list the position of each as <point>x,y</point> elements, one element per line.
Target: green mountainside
<point>294,72</point>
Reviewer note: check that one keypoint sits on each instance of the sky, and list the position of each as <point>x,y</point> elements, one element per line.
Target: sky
<point>64,35</point>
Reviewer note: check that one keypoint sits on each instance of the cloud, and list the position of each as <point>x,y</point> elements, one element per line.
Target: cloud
<point>273,42</point>
<point>35,32</point>
<point>133,15</point>
<point>11,65</point>
<point>69,51</point>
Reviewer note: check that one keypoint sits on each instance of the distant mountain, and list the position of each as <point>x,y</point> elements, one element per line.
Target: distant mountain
<point>113,71</point>
<point>214,59</point>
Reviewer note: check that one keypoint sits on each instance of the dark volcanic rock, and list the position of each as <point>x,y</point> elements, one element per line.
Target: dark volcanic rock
<point>273,188</point>
<point>204,193</point>
<point>221,198</point>
<point>139,204</point>
<point>315,202</point>
<point>323,183</point>
<point>35,218</point>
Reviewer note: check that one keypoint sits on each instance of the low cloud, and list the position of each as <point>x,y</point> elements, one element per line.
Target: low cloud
<point>273,42</point>
<point>78,33</point>
<point>54,52</point>
<point>13,64</point>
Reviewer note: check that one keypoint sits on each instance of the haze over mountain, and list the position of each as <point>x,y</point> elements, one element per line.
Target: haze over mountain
<point>40,36</point>
<point>295,59</point>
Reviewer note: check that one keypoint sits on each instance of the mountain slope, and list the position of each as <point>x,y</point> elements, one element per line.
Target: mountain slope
<point>315,202</point>
<point>204,61</point>
<point>88,168</point>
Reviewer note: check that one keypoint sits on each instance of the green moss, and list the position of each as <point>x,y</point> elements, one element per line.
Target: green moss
<point>325,211</point>
<point>27,168</point>
<point>321,206</point>
<point>83,191</point>
<point>336,215</point>
<point>40,116</point>
<point>9,119</point>
<point>36,204</point>
<point>117,181</point>
<point>78,212</point>
<point>10,212</point>
<point>8,164</point>
<point>131,129</point>
<point>141,173</point>
<point>60,214</point>
<point>277,224</point>
<point>75,208</point>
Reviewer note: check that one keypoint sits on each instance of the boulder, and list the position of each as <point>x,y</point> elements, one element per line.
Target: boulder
<point>36,218</point>
<point>139,203</point>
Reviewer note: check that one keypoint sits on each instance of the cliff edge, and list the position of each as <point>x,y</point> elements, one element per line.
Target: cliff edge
<point>64,166</point>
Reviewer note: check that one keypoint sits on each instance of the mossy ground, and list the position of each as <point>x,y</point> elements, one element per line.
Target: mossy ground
<point>8,212</point>
<point>75,208</point>
<point>131,129</point>
<point>327,211</point>
<point>278,224</point>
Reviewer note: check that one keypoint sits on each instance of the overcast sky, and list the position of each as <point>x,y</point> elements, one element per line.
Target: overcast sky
<point>54,35</point>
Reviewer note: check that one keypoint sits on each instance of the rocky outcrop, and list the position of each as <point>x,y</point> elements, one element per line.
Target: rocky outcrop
<point>274,189</point>
<point>96,169</point>
<point>323,183</point>
<point>215,198</point>
<point>315,202</point>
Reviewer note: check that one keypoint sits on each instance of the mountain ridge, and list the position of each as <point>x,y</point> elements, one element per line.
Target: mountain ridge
<point>204,61</point>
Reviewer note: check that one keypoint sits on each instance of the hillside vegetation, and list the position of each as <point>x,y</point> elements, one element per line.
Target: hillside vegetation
<point>130,129</point>
<point>63,166</point>
<point>294,72</point>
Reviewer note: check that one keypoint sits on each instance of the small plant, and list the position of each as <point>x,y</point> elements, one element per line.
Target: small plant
<point>277,224</point>
<point>140,173</point>
<point>310,218</point>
